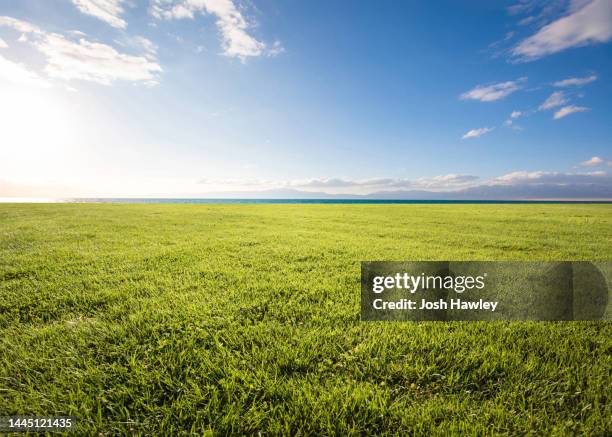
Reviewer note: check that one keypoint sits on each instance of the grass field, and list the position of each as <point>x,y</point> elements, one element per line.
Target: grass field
<point>170,319</point>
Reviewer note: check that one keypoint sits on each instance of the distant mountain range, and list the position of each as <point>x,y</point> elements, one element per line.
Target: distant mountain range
<point>481,192</point>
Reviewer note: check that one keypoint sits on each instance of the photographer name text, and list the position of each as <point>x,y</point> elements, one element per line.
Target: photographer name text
<point>412,283</point>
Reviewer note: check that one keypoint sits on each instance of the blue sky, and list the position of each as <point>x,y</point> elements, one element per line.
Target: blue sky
<point>188,97</point>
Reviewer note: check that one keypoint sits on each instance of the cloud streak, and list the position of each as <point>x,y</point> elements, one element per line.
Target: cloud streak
<point>567,110</point>
<point>108,11</point>
<point>576,81</point>
<point>555,99</point>
<point>475,133</point>
<point>491,93</point>
<point>588,22</point>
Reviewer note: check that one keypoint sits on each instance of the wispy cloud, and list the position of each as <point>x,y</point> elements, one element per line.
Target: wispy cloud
<point>108,11</point>
<point>234,27</point>
<point>499,47</point>
<point>449,181</point>
<point>518,184</point>
<point>567,110</point>
<point>593,162</point>
<point>493,92</point>
<point>452,181</point>
<point>70,58</point>
<point>148,47</point>
<point>588,22</point>
<point>510,121</point>
<point>527,20</point>
<point>19,25</point>
<point>537,11</point>
<point>522,6</point>
<point>275,49</point>
<point>576,81</point>
<point>555,99</point>
<point>3,44</point>
<point>475,133</point>
<point>545,177</point>
<point>436,182</point>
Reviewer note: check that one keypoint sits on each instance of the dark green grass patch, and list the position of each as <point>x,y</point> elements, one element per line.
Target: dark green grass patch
<point>170,319</point>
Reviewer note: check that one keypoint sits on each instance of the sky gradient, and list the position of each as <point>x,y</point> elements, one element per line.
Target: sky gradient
<point>191,97</point>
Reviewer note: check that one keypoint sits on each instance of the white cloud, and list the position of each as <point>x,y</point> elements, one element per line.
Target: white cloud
<point>519,184</point>
<point>544,177</point>
<point>436,182</point>
<point>108,11</point>
<point>527,20</point>
<point>593,162</point>
<point>588,22</point>
<point>555,99</point>
<point>15,72</point>
<point>576,81</point>
<point>490,93</point>
<point>276,49</point>
<point>475,133</point>
<point>236,40</point>
<point>94,62</point>
<point>344,185</point>
<point>3,44</point>
<point>521,7</point>
<point>509,122</point>
<point>82,59</point>
<point>20,26</point>
<point>449,181</point>
<point>149,47</point>
<point>567,110</point>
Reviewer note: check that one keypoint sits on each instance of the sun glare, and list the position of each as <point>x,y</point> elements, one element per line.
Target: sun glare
<point>38,131</point>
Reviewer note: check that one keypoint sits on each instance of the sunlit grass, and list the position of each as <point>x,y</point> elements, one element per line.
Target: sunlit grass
<point>242,319</point>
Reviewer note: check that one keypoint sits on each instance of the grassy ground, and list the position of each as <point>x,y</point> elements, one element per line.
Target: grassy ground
<point>162,319</point>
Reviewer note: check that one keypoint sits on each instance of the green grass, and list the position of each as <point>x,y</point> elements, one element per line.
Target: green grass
<point>170,319</point>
